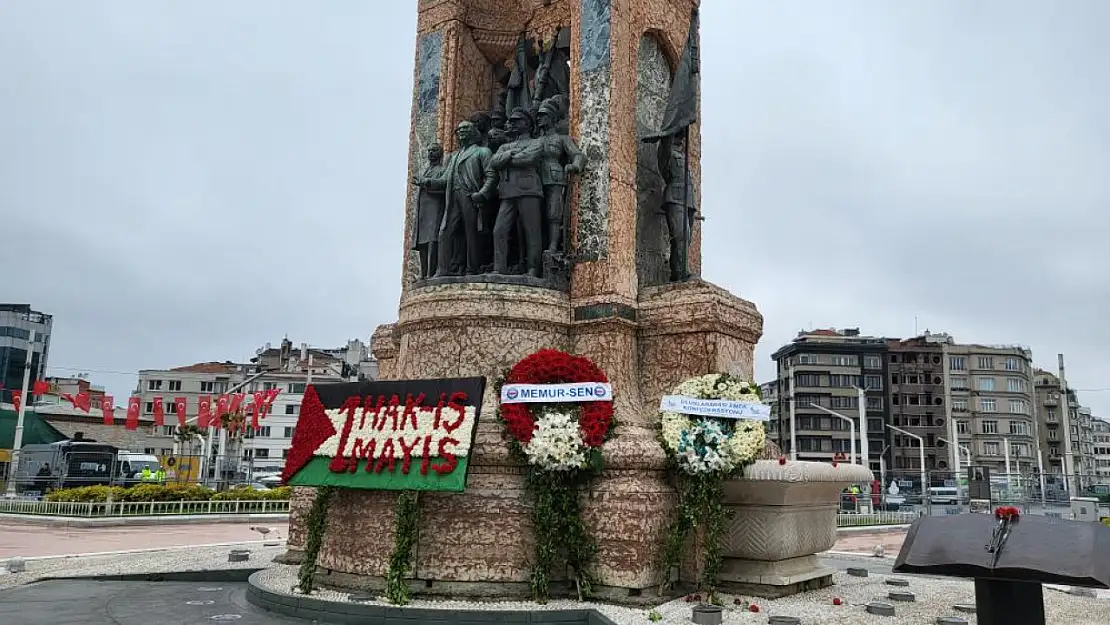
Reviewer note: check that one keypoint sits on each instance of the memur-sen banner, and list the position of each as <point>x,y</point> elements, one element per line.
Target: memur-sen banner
<point>397,435</point>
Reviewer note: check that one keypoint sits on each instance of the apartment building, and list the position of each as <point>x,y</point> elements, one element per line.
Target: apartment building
<point>284,367</point>
<point>918,405</point>
<point>17,323</point>
<point>992,395</point>
<point>1084,431</point>
<point>1101,433</point>
<point>824,371</point>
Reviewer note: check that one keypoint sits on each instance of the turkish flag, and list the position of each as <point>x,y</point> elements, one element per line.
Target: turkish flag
<point>84,402</point>
<point>204,412</point>
<point>106,408</point>
<point>159,412</point>
<point>181,407</point>
<point>271,395</point>
<point>223,402</point>
<point>252,410</point>
<point>69,398</point>
<point>17,399</point>
<point>41,388</point>
<point>236,402</point>
<point>132,422</point>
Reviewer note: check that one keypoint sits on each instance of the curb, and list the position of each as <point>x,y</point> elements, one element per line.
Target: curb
<point>104,554</point>
<point>188,519</point>
<point>343,613</point>
<point>212,576</point>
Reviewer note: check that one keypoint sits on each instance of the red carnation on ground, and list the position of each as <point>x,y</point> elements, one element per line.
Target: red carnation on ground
<point>782,459</point>
<point>753,608</point>
<point>837,601</point>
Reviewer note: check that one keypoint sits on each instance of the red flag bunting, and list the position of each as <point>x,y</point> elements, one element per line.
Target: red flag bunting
<point>159,412</point>
<point>252,410</point>
<point>41,388</point>
<point>70,399</point>
<point>106,408</point>
<point>271,395</point>
<point>223,402</point>
<point>84,402</point>
<point>17,399</point>
<point>180,404</point>
<point>132,422</point>
<point>236,402</point>
<point>204,409</point>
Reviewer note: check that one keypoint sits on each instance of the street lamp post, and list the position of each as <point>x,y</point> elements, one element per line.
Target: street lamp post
<point>921,455</point>
<point>851,426</point>
<point>864,443</point>
<point>206,438</point>
<point>17,439</point>
<point>967,451</point>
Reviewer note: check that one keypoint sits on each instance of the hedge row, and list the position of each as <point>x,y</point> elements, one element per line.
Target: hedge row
<point>165,492</point>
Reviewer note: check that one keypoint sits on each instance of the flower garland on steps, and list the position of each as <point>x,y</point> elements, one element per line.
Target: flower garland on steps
<point>560,445</point>
<point>706,451</point>
<point>404,541</point>
<point>316,523</point>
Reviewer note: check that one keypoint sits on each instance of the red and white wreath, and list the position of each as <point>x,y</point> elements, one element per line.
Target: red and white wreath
<point>557,436</point>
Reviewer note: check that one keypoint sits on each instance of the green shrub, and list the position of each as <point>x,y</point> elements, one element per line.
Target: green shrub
<point>164,492</point>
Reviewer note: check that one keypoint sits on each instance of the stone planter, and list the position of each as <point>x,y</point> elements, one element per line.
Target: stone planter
<point>783,516</point>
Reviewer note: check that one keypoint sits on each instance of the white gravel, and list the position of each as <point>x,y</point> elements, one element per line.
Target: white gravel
<point>935,598</point>
<point>167,560</point>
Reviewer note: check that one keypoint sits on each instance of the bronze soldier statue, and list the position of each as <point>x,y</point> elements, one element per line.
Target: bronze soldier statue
<point>679,206</point>
<point>468,180</point>
<point>521,192</point>
<point>429,213</point>
<point>557,150</point>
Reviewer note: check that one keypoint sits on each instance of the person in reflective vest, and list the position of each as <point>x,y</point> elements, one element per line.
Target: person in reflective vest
<point>147,475</point>
<point>160,475</point>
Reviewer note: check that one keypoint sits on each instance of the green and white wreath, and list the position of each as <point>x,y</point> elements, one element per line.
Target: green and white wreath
<point>706,451</point>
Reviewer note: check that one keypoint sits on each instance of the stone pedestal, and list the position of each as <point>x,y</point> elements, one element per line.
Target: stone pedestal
<point>783,515</point>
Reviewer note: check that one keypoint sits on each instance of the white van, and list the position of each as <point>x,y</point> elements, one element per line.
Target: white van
<point>944,495</point>
<point>130,465</point>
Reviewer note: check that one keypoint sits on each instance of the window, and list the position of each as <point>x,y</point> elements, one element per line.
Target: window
<point>166,451</point>
<point>262,453</point>
<point>962,427</point>
<point>1050,416</point>
<point>289,431</point>
<point>874,425</point>
<point>992,449</point>
<point>207,387</point>
<point>987,404</point>
<point>808,379</point>
<point>959,382</point>
<point>1013,364</point>
<point>248,454</point>
<point>148,451</point>
<point>171,407</point>
<point>986,384</point>
<point>1015,385</point>
<point>957,363</point>
<point>148,408</point>
<point>284,453</point>
<point>296,389</point>
<point>845,402</point>
<point>168,430</point>
<point>175,385</point>
<point>873,382</point>
<point>990,427</point>
<point>807,359</point>
<point>959,405</point>
<point>874,403</point>
<point>292,409</point>
<point>1017,406</point>
<point>269,386</point>
<point>154,385</point>
<point>872,362</point>
<point>1020,449</point>
<point>844,361</point>
<point>986,362</point>
<point>1019,428</point>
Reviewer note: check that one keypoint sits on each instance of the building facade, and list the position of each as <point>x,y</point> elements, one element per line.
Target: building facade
<point>826,371</point>
<point>17,323</point>
<point>285,367</point>
<point>1101,433</point>
<point>918,403</point>
<point>992,396</point>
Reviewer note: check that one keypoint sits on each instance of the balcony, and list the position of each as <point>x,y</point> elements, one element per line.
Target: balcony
<point>1051,403</point>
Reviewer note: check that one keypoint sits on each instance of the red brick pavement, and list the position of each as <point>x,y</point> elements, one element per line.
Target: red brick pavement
<point>30,541</point>
<point>864,542</point>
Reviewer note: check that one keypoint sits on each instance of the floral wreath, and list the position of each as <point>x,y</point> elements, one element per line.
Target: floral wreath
<point>706,451</point>
<point>561,445</point>
<point>558,437</point>
<point>710,444</point>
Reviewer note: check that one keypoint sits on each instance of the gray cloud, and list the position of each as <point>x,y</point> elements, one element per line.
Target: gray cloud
<point>186,181</point>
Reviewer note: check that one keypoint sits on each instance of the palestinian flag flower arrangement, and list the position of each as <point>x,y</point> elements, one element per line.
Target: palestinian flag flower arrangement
<point>558,411</point>
<point>710,428</point>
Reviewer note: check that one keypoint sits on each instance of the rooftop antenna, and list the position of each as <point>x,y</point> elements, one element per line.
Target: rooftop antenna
<point>915,325</point>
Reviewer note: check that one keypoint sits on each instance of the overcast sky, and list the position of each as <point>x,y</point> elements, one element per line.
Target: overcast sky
<point>185,181</point>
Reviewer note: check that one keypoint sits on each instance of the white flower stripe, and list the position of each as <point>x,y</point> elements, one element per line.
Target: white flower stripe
<point>557,444</point>
<point>425,427</point>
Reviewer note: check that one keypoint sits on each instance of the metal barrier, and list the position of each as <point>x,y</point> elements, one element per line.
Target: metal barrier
<point>875,519</point>
<point>100,509</point>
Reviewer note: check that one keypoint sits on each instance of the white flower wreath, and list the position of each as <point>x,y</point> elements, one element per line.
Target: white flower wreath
<point>709,444</point>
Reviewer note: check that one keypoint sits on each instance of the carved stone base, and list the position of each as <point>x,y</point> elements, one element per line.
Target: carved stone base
<point>774,579</point>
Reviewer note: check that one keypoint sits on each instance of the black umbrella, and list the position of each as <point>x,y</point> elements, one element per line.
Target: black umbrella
<point>1039,549</point>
